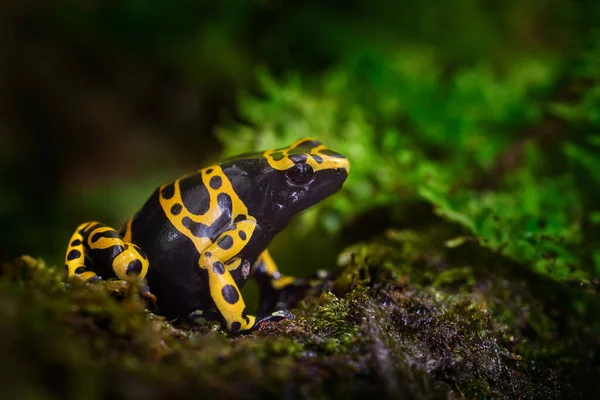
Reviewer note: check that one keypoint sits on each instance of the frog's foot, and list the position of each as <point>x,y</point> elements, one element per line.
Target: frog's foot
<point>285,292</point>
<point>120,288</point>
<point>200,317</point>
<point>92,279</point>
<point>144,291</point>
<point>102,245</point>
<point>275,316</point>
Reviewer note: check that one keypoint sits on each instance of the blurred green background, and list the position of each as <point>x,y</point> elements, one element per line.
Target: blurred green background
<point>484,113</point>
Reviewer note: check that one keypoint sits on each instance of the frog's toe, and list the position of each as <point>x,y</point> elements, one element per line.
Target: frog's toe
<point>289,295</point>
<point>275,316</point>
<point>320,279</point>
<point>281,314</point>
<point>323,274</point>
<point>145,292</point>
<point>91,280</point>
<point>317,280</point>
<point>200,317</point>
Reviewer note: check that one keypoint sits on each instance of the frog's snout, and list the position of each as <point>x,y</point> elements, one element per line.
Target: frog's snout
<point>340,163</point>
<point>345,165</point>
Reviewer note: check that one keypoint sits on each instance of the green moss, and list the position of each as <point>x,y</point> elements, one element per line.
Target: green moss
<point>405,315</point>
<point>415,131</point>
<point>334,324</point>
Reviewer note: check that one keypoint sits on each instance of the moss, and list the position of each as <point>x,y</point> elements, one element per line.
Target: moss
<point>405,317</point>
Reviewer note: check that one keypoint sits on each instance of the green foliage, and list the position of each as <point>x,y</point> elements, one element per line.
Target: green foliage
<point>532,219</point>
<point>583,149</point>
<point>414,131</point>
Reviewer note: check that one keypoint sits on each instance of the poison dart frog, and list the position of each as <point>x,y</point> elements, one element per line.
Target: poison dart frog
<point>198,239</point>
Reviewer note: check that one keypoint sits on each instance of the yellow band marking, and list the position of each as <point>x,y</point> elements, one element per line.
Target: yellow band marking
<point>86,275</point>
<point>103,242</point>
<point>212,214</point>
<point>278,281</point>
<point>329,162</point>
<point>123,259</point>
<point>282,282</point>
<point>127,235</point>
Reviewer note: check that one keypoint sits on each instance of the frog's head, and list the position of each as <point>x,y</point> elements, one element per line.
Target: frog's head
<point>277,184</point>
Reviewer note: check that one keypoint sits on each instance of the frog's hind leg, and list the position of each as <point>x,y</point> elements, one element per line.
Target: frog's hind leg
<point>75,257</point>
<point>278,291</point>
<point>101,248</point>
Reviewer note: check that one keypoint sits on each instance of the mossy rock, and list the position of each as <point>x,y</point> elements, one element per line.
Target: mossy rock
<point>403,318</point>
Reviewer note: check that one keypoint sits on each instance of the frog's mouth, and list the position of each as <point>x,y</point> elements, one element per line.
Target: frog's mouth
<point>329,181</point>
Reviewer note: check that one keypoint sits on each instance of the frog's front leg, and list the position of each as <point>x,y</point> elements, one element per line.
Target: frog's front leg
<point>104,249</point>
<point>278,291</point>
<point>223,288</point>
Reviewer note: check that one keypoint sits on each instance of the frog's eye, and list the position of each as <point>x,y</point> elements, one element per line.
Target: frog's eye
<point>300,173</point>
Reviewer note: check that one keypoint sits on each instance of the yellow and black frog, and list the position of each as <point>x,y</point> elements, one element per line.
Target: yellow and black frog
<point>198,239</point>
